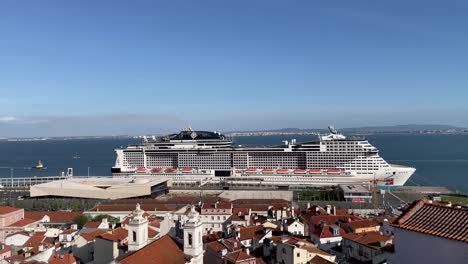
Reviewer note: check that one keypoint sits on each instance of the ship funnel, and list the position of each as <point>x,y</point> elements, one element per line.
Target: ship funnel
<point>332,130</point>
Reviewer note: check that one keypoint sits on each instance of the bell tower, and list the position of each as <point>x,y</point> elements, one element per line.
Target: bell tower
<point>137,230</point>
<point>193,243</point>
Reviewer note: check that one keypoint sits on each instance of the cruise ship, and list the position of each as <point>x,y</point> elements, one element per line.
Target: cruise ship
<point>210,156</point>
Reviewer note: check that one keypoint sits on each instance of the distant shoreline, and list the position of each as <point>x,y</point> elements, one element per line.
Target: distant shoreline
<point>253,133</point>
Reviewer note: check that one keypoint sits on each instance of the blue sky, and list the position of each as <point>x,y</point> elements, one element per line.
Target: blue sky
<point>112,67</point>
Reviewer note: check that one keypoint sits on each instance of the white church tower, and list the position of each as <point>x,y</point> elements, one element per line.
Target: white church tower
<point>193,242</point>
<point>137,230</point>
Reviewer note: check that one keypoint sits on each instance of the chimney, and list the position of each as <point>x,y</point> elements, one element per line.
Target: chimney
<point>430,201</point>
<point>308,205</point>
<point>334,210</point>
<point>104,220</point>
<point>74,226</point>
<point>328,209</point>
<point>2,246</point>
<point>292,212</point>
<point>40,248</point>
<point>247,251</point>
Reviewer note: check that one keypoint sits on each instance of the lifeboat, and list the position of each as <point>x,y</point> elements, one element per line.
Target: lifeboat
<point>141,170</point>
<point>156,170</point>
<point>333,171</point>
<point>299,171</point>
<point>282,171</point>
<point>267,171</point>
<point>171,170</point>
<point>251,170</point>
<point>187,170</point>
<point>315,171</point>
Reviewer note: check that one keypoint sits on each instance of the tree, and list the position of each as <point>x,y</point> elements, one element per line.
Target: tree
<point>81,220</point>
<point>110,219</point>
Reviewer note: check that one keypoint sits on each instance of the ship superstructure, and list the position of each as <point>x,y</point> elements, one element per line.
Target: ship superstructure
<point>328,158</point>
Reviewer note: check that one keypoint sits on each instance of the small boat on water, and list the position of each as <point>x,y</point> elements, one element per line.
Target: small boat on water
<point>39,165</point>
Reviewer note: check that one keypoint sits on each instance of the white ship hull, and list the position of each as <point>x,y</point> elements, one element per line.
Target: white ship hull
<point>396,177</point>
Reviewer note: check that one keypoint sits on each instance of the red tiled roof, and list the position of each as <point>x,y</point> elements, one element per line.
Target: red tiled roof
<point>249,232</point>
<point>152,233</point>
<point>23,222</point>
<point>35,240</point>
<point>260,201</point>
<point>195,199</point>
<point>55,217</point>
<point>361,224</point>
<point>435,220</point>
<point>315,250</point>
<point>131,207</point>
<point>118,235</point>
<point>163,250</point>
<point>319,260</point>
<point>5,249</point>
<point>230,244</point>
<point>62,259</point>
<point>92,235</point>
<point>8,209</point>
<point>332,219</point>
<point>68,231</point>
<point>92,224</point>
<point>374,238</point>
<point>238,256</point>
<point>326,231</point>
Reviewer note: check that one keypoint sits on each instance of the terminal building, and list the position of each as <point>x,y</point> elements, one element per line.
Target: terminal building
<point>356,193</point>
<point>103,188</point>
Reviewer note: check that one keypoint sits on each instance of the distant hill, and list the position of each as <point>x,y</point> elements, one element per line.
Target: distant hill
<point>369,129</point>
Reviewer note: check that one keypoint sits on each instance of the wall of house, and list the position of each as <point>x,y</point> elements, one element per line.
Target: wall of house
<point>415,247</point>
<point>83,249</point>
<point>328,242</point>
<point>215,222</point>
<point>358,251</point>
<point>296,228</point>
<point>108,250</point>
<point>10,218</point>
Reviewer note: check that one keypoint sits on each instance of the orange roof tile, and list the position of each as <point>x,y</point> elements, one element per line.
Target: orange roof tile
<point>68,231</point>
<point>374,238</point>
<point>163,250</point>
<point>249,232</point>
<point>319,260</point>
<point>23,222</point>
<point>131,207</point>
<point>152,233</point>
<point>92,224</point>
<point>436,220</point>
<point>90,236</point>
<point>62,259</point>
<point>238,256</point>
<point>8,209</point>
<point>55,217</point>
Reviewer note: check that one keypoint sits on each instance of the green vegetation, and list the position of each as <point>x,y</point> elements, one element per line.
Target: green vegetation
<point>463,200</point>
<point>81,220</point>
<point>51,204</point>
<point>111,219</point>
<point>319,195</point>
